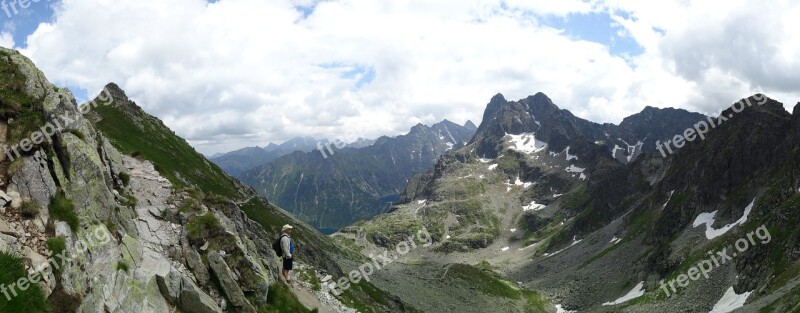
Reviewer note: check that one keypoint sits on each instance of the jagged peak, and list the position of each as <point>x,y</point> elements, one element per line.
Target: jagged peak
<point>469,124</point>
<point>116,92</point>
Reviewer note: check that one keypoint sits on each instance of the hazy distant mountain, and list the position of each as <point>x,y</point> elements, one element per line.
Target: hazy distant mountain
<point>238,161</point>
<point>331,188</point>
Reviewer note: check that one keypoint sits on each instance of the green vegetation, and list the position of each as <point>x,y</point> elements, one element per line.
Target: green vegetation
<point>56,246</point>
<point>310,277</point>
<point>203,227</point>
<point>29,209</point>
<point>31,299</point>
<point>63,209</point>
<point>790,303</point>
<point>129,200</point>
<point>122,265</point>
<point>125,178</point>
<point>170,155</point>
<point>364,297</point>
<point>483,279</point>
<point>75,132</point>
<point>27,112</point>
<point>281,300</point>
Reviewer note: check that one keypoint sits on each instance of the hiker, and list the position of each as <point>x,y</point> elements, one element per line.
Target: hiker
<point>287,247</point>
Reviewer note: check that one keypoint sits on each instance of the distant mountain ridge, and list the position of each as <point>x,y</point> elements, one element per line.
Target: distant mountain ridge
<point>334,188</point>
<point>237,161</point>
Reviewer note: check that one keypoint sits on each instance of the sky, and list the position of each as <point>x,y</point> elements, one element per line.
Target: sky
<point>233,73</point>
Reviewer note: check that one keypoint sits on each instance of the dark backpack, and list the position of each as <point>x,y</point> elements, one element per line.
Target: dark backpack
<point>277,246</point>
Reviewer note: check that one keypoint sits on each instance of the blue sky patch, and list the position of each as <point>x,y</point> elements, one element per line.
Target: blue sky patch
<point>596,27</point>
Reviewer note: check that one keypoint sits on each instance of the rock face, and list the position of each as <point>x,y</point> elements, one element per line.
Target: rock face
<point>193,300</point>
<point>127,242</point>
<point>227,280</point>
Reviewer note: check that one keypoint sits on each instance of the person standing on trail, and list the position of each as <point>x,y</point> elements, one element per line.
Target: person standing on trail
<point>287,247</point>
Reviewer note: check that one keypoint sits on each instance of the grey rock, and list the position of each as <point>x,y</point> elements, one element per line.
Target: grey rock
<point>170,286</point>
<point>195,301</point>
<point>16,199</point>
<point>33,181</point>
<point>226,280</point>
<point>3,246</point>
<point>5,228</point>
<point>197,266</point>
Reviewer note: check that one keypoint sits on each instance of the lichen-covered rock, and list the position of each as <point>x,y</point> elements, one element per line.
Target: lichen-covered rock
<point>170,286</point>
<point>227,281</point>
<point>196,264</point>
<point>195,301</point>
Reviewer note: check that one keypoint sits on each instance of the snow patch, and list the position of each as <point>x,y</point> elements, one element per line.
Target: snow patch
<point>574,169</point>
<point>505,249</point>
<point>513,230</point>
<point>526,143</point>
<point>637,291</point>
<point>708,220</point>
<point>422,201</point>
<point>557,195</point>
<point>670,198</point>
<point>730,301</point>
<point>616,240</point>
<point>492,167</point>
<point>560,309</point>
<point>533,206</point>
<point>583,176</point>
<point>575,241</point>
<point>521,183</point>
<point>449,146</point>
<point>569,156</point>
<point>482,160</point>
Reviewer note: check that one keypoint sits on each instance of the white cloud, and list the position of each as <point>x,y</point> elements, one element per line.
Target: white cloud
<point>6,40</point>
<point>243,72</point>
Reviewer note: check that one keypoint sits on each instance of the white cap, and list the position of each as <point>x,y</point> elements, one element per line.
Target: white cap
<point>287,226</point>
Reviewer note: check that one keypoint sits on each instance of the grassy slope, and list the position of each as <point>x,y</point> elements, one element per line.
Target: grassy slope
<point>171,155</point>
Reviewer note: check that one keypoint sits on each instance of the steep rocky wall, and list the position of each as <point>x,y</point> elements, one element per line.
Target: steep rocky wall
<point>138,258</point>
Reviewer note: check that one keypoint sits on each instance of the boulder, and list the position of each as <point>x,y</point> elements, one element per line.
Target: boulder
<point>170,286</point>
<point>197,266</point>
<point>195,301</point>
<point>226,280</point>
<point>5,229</point>
<point>16,200</point>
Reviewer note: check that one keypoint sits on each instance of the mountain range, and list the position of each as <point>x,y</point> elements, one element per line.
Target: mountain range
<point>331,188</point>
<point>536,210</point>
<point>546,200</point>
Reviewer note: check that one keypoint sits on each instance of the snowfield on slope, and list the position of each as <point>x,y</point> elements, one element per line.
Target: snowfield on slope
<point>708,220</point>
<point>526,143</point>
<point>636,292</point>
<point>730,301</point>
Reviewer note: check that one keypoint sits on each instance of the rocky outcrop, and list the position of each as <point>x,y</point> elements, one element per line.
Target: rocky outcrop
<point>126,247</point>
<point>228,281</point>
<point>193,300</point>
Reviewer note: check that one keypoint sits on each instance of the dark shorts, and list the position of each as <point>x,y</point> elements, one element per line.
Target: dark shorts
<point>288,264</point>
